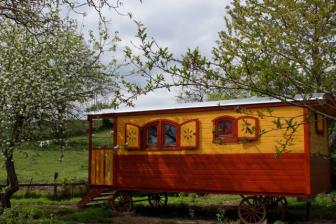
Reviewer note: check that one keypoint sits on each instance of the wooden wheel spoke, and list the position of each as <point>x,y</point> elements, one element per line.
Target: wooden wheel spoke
<point>254,219</point>
<point>245,211</point>
<point>277,208</point>
<point>259,217</point>
<point>250,218</point>
<point>252,210</point>
<point>157,200</point>
<point>121,201</point>
<point>259,212</point>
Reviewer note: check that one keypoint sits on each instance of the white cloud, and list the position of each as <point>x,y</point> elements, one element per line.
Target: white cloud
<point>159,97</point>
<point>176,24</point>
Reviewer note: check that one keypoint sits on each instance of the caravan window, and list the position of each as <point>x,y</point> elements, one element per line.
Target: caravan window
<point>225,129</point>
<point>152,134</point>
<point>161,134</point>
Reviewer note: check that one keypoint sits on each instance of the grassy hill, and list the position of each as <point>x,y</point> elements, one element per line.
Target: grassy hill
<point>41,162</point>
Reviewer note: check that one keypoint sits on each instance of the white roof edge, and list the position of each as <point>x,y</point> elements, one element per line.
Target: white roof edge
<point>233,102</point>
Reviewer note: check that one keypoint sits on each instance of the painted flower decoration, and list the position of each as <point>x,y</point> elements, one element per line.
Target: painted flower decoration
<point>188,134</point>
<point>131,137</point>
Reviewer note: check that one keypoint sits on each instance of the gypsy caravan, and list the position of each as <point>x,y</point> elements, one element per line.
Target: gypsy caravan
<point>260,148</point>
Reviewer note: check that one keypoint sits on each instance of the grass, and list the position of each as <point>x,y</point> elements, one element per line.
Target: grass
<point>40,163</point>
<point>184,208</point>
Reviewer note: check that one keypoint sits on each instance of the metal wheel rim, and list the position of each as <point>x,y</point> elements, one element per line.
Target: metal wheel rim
<point>276,208</point>
<point>158,200</point>
<point>282,207</point>
<point>251,210</point>
<point>122,202</point>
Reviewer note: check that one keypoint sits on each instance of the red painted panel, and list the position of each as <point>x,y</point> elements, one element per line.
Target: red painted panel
<point>320,174</point>
<point>254,173</point>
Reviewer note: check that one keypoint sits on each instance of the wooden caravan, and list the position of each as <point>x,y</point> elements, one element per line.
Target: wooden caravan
<point>258,147</point>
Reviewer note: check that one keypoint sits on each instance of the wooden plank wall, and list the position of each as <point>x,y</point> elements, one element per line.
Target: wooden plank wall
<point>255,173</point>
<point>320,164</point>
<point>264,144</point>
<point>101,167</point>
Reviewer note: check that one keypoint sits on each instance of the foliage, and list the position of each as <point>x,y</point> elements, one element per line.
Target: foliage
<point>45,75</point>
<point>98,106</point>
<point>220,215</point>
<point>277,49</point>
<point>42,79</point>
<point>36,13</point>
<point>280,49</point>
<point>26,216</point>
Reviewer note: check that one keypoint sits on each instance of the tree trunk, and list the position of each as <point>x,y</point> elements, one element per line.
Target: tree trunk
<point>332,137</point>
<point>13,183</point>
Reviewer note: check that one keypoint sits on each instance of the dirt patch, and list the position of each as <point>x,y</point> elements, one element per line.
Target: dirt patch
<point>317,222</point>
<point>149,220</point>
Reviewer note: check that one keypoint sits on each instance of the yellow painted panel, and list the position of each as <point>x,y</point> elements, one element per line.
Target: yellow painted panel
<point>265,144</point>
<point>97,170</point>
<point>108,167</point>
<point>247,128</point>
<point>320,123</point>
<point>111,167</point>
<point>188,134</point>
<point>132,136</point>
<point>101,168</point>
<point>93,166</point>
<point>318,142</point>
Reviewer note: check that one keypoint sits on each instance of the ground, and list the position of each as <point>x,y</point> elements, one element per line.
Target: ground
<point>181,209</point>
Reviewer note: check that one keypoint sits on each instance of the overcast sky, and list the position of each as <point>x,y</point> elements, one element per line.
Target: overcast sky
<point>176,24</point>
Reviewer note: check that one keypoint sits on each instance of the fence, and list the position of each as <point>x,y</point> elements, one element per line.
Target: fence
<point>57,189</point>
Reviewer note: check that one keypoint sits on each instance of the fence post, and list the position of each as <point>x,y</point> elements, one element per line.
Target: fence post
<point>29,187</point>
<point>55,182</point>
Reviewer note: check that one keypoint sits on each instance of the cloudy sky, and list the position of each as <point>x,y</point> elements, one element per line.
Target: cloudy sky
<point>176,24</point>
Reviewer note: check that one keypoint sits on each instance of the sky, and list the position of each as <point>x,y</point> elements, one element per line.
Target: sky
<point>176,24</point>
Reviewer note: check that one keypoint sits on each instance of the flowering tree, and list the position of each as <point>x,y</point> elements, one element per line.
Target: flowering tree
<point>32,14</point>
<point>269,48</point>
<point>42,78</point>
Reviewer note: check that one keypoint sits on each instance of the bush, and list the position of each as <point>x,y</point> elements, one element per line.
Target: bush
<point>16,216</point>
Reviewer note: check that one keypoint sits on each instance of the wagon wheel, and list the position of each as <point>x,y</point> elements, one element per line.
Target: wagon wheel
<point>252,210</point>
<point>277,208</point>
<point>121,201</point>
<point>158,200</point>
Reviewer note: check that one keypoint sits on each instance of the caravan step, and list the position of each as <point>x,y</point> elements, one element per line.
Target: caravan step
<point>101,198</point>
<point>95,203</point>
<point>107,193</point>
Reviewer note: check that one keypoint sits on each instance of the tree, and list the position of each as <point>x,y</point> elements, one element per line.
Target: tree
<point>42,78</point>
<point>32,14</point>
<point>194,93</point>
<point>269,48</point>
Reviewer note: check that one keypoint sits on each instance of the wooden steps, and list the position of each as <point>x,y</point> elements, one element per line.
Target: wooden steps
<point>95,197</point>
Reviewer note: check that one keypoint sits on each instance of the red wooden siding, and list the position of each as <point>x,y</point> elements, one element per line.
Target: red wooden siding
<point>221,173</point>
<point>319,156</point>
<point>320,174</point>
